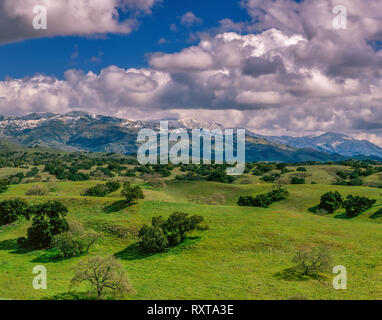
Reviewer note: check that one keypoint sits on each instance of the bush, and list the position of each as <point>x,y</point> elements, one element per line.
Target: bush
<point>263,200</point>
<point>113,186</point>
<point>37,191</point>
<point>297,180</point>
<point>301,169</point>
<point>132,194</point>
<point>220,175</point>
<point>331,201</point>
<point>311,262</point>
<point>4,183</point>
<point>102,190</point>
<point>75,242</point>
<point>153,239</point>
<point>12,210</point>
<point>355,182</point>
<point>48,221</point>
<point>356,205</point>
<point>271,177</point>
<point>169,233</point>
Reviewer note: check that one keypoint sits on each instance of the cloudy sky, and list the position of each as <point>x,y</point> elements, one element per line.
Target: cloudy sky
<point>276,67</point>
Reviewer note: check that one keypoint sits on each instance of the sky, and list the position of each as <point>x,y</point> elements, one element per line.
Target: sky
<point>280,67</point>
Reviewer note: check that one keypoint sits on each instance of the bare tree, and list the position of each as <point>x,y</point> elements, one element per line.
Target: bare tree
<point>103,274</point>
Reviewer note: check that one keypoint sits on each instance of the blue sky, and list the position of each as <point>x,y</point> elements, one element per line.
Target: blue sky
<point>275,67</point>
<point>53,56</point>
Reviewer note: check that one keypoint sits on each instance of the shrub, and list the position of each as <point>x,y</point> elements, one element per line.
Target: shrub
<point>76,241</point>
<point>113,186</point>
<point>355,182</point>
<point>220,175</point>
<point>271,177</point>
<point>12,210</point>
<point>37,191</point>
<point>356,205</point>
<point>153,239</point>
<point>297,180</point>
<point>132,194</point>
<point>48,221</point>
<point>263,200</point>
<point>301,169</point>
<point>102,190</point>
<point>31,173</point>
<point>263,168</point>
<point>331,201</point>
<point>311,262</point>
<point>169,233</point>
<point>4,183</point>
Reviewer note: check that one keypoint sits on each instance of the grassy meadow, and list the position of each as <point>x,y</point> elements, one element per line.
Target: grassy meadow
<point>237,258</point>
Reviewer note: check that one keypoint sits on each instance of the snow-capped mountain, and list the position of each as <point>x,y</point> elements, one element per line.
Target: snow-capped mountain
<point>85,131</point>
<point>332,143</point>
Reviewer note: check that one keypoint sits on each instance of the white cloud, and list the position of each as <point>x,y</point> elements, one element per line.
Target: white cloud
<point>189,19</point>
<point>302,77</point>
<point>69,17</point>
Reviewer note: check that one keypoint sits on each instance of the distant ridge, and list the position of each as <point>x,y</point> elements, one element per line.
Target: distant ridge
<point>83,131</point>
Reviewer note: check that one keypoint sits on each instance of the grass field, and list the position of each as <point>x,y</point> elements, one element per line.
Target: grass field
<point>237,258</point>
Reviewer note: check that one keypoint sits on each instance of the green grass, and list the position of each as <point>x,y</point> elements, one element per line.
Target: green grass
<point>237,258</point>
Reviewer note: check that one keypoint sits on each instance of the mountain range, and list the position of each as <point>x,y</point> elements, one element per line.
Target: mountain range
<point>82,131</point>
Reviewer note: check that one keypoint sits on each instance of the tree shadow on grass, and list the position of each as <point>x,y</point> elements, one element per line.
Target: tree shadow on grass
<point>11,244</point>
<point>48,257</point>
<point>343,216</point>
<point>70,295</point>
<point>292,274</point>
<point>376,215</point>
<point>133,252</point>
<point>116,206</point>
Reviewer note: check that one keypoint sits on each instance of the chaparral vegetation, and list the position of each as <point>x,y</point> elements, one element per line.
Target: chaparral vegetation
<point>186,231</point>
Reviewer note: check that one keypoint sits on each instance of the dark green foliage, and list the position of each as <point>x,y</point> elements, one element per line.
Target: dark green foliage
<point>76,241</point>
<point>263,200</point>
<point>331,201</point>
<point>301,169</point>
<point>220,175</point>
<point>132,193</point>
<point>48,221</point>
<point>113,186</point>
<point>16,178</point>
<point>297,180</point>
<point>164,234</point>
<point>12,210</point>
<point>65,172</point>
<point>4,183</point>
<point>271,177</point>
<point>102,190</point>
<point>355,182</point>
<point>31,173</point>
<point>263,168</point>
<point>356,205</point>
<point>153,239</point>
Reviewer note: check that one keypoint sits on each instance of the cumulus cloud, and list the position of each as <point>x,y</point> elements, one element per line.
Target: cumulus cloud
<point>70,17</point>
<point>189,19</point>
<point>296,74</point>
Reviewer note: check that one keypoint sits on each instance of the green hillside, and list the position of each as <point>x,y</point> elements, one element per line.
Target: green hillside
<point>237,258</point>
